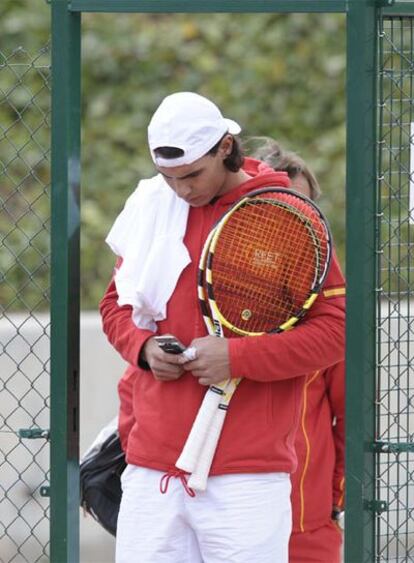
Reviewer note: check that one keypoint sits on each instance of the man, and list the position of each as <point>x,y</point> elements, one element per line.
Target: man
<point>245,513</point>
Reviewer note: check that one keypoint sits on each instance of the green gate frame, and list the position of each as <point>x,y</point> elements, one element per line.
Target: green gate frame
<point>362,18</point>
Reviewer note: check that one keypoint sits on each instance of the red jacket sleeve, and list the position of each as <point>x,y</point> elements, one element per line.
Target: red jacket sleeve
<point>335,385</point>
<point>315,343</point>
<point>119,327</point>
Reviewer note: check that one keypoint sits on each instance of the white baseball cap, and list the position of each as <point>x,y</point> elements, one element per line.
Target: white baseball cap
<point>189,122</point>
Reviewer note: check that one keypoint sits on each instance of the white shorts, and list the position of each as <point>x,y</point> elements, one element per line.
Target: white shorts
<point>241,518</point>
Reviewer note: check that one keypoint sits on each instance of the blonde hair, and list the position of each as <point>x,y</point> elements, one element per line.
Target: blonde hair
<point>271,152</point>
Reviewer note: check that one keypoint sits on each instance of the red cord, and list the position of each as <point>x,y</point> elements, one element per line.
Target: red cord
<point>165,480</point>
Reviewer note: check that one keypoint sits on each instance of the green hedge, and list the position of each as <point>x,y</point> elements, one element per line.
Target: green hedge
<point>278,75</point>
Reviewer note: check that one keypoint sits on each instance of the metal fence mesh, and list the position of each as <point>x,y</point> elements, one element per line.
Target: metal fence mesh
<point>395,323</point>
<point>24,304</point>
<point>24,298</point>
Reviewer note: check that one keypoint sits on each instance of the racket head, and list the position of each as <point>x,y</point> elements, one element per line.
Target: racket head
<point>266,261</point>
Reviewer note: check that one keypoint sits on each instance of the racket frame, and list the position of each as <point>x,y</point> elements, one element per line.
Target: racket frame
<point>319,278</point>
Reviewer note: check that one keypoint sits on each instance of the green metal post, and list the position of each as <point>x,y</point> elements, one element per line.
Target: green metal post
<point>360,273</point>
<point>64,489</point>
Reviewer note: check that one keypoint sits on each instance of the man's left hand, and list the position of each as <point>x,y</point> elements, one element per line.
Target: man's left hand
<point>212,363</point>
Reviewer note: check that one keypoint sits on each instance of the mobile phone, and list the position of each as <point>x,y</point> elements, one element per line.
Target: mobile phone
<point>170,344</point>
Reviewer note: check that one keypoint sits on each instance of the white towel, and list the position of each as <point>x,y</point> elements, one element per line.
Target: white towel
<point>148,235</point>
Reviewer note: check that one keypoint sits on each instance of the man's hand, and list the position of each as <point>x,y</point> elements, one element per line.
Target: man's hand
<point>165,367</point>
<point>212,363</point>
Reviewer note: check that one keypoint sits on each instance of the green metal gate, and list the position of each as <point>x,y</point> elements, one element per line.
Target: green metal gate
<point>380,415</point>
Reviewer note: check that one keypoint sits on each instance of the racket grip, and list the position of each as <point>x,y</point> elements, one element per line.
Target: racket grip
<point>195,441</point>
<point>198,479</point>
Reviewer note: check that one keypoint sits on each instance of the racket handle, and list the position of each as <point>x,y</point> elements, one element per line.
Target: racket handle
<point>195,441</point>
<point>198,479</point>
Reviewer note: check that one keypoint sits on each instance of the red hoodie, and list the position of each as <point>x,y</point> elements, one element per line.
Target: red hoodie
<point>264,413</point>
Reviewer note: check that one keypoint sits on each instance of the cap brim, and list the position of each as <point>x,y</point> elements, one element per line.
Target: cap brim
<point>234,128</point>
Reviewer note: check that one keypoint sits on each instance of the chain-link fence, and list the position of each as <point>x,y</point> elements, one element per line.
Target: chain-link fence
<point>395,322</point>
<point>24,300</point>
<point>24,305</point>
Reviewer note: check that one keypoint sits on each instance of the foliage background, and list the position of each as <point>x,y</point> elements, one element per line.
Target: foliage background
<point>278,75</point>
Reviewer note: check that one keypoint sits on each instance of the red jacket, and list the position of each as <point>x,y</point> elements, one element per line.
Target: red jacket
<point>318,482</point>
<point>264,413</point>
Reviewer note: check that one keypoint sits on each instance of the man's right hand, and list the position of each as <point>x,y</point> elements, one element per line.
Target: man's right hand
<point>165,367</point>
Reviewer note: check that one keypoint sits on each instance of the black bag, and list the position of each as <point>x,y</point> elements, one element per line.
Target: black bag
<point>100,482</point>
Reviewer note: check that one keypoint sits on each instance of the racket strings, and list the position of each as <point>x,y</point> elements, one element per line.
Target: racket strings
<point>307,212</point>
<point>263,265</point>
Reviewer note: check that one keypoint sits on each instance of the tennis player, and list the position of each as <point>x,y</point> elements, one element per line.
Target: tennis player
<point>245,514</point>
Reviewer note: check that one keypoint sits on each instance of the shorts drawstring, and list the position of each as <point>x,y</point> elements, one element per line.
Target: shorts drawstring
<point>165,479</point>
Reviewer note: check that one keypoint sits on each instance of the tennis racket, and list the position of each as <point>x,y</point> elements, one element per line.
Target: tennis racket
<point>198,479</point>
<point>261,270</point>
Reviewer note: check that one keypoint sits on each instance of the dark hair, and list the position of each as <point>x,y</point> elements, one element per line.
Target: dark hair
<point>270,152</point>
<point>233,162</point>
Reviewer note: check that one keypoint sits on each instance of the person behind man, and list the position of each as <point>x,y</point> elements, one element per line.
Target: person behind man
<point>245,513</point>
<point>318,482</point>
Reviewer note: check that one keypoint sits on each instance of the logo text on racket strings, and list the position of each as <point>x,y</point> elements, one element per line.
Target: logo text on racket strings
<point>265,258</point>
